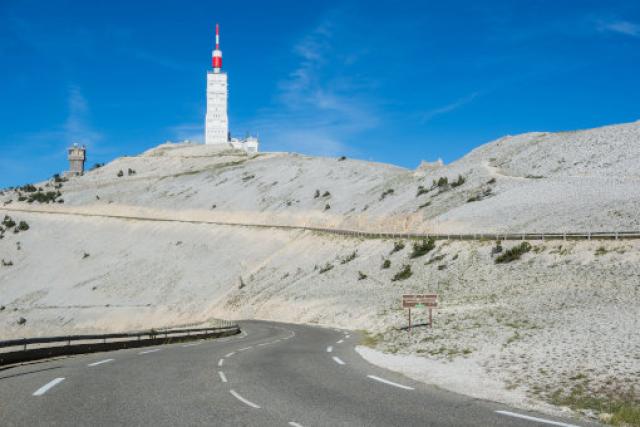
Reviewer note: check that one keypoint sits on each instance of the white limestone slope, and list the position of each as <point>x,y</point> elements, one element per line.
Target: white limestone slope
<point>139,273</point>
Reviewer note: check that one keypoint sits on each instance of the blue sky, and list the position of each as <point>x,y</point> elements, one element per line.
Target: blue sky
<point>387,81</point>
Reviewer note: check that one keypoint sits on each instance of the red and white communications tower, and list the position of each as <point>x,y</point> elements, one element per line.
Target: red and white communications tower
<point>217,121</point>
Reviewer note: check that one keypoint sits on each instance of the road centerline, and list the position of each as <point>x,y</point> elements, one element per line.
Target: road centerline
<point>329,349</point>
<point>48,386</point>
<point>149,351</point>
<point>382,380</point>
<point>230,354</point>
<point>536,419</point>
<point>220,362</point>
<point>243,400</point>
<point>100,362</point>
<point>338,360</point>
<point>223,377</point>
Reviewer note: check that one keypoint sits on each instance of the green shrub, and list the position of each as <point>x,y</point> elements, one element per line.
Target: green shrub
<point>461,179</point>
<point>361,275</point>
<point>601,251</point>
<point>403,274</point>
<point>349,257</point>
<point>131,172</point>
<point>422,248</point>
<point>8,222</point>
<point>342,158</point>
<point>326,268</point>
<point>491,181</point>
<point>326,194</point>
<point>327,207</point>
<point>386,193</point>
<point>316,194</point>
<point>397,247</point>
<point>120,174</point>
<point>497,248</point>
<point>29,188</point>
<point>386,264</point>
<point>41,197</point>
<point>424,205</point>
<point>23,226</point>
<point>514,253</point>
<point>422,190</point>
<point>443,181</point>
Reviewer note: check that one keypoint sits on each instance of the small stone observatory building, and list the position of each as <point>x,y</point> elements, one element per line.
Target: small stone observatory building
<point>77,156</point>
<point>217,119</point>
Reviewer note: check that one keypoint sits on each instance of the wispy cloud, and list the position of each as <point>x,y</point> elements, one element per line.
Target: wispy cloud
<point>621,27</point>
<point>77,128</point>
<point>319,109</point>
<point>193,132</point>
<point>458,103</point>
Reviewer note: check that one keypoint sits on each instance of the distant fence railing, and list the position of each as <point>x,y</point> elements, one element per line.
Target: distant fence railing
<point>25,349</point>
<point>596,235</point>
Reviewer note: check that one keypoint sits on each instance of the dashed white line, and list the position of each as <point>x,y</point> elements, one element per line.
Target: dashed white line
<point>382,380</point>
<point>339,342</point>
<point>338,360</point>
<point>294,424</point>
<point>264,343</point>
<point>192,344</point>
<point>230,354</point>
<point>220,362</point>
<point>100,362</point>
<point>245,348</point>
<point>243,400</point>
<point>329,349</point>
<point>45,388</point>
<point>223,377</point>
<point>536,419</point>
<point>347,336</point>
<point>149,351</point>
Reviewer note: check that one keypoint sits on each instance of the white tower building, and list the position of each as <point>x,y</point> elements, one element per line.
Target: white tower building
<point>217,121</point>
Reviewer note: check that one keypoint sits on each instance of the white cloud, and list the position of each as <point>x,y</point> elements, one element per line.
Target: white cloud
<point>319,109</point>
<point>621,27</point>
<point>76,127</point>
<point>427,116</point>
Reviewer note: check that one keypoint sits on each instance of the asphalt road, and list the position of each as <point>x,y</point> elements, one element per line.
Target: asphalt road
<point>271,375</point>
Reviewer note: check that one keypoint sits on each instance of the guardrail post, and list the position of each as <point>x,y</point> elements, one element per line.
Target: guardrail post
<point>25,344</point>
<point>616,235</point>
<point>589,236</point>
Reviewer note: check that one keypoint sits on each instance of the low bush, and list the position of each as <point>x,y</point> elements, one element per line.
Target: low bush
<point>461,180</point>
<point>327,207</point>
<point>326,194</point>
<point>349,257</point>
<point>422,190</point>
<point>23,226</point>
<point>120,174</point>
<point>514,253</point>
<point>422,248</point>
<point>361,275</point>
<point>44,197</point>
<point>7,263</point>
<point>342,158</point>
<point>386,193</point>
<point>29,188</point>
<point>443,181</point>
<point>397,247</point>
<point>386,264</point>
<point>131,172</point>
<point>316,194</point>
<point>8,222</point>
<point>497,248</point>
<point>403,274</point>
<point>326,268</point>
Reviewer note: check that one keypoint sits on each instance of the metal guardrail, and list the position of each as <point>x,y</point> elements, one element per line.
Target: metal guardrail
<point>596,235</point>
<point>18,350</point>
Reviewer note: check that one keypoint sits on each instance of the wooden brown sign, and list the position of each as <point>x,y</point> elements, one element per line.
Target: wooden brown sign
<point>420,300</point>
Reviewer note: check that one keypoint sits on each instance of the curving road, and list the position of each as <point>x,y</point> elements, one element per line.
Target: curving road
<point>271,375</point>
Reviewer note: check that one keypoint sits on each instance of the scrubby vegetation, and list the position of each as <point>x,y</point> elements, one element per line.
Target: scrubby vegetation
<point>131,172</point>
<point>514,253</point>
<point>423,247</point>
<point>325,268</point>
<point>342,158</point>
<point>353,255</point>
<point>403,274</point>
<point>397,247</point>
<point>386,264</point>
<point>44,197</point>
<point>497,249</point>
<point>327,207</point>
<point>326,194</point>
<point>316,194</point>
<point>120,174</point>
<point>361,275</point>
<point>386,193</point>
<point>8,222</point>
<point>422,190</point>
<point>23,226</point>
<point>476,198</point>
<point>461,180</point>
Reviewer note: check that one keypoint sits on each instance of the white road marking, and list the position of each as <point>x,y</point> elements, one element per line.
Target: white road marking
<point>264,343</point>
<point>100,362</point>
<point>536,419</point>
<point>382,380</point>
<point>230,354</point>
<point>192,344</point>
<point>149,351</point>
<point>220,362</point>
<point>45,388</point>
<point>243,400</point>
<point>338,360</point>
<point>223,377</point>
<point>339,342</point>
<point>294,424</point>
<point>347,336</point>
<point>246,348</point>
<point>329,349</point>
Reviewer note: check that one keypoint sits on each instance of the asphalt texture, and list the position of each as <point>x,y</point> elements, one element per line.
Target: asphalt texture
<point>270,375</point>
